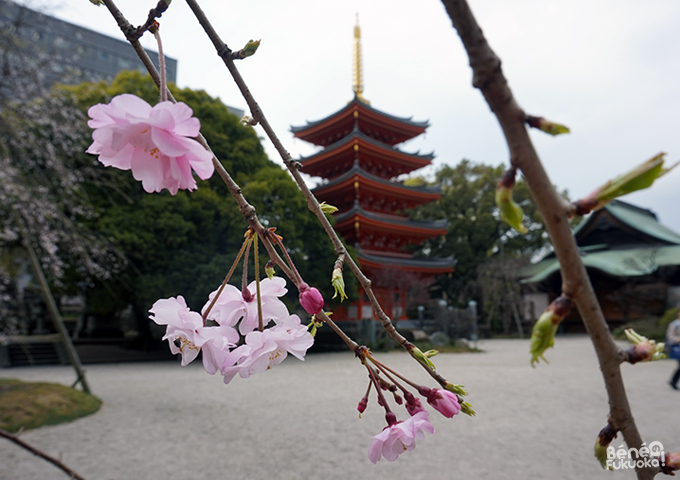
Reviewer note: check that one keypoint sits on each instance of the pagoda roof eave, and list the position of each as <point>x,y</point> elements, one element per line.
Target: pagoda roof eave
<point>423,265</point>
<point>438,227</point>
<point>417,159</point>
<point>430,193</point>
<point>357,101</point>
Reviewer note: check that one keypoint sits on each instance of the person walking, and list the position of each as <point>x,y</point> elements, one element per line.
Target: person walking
<point>673,342</point>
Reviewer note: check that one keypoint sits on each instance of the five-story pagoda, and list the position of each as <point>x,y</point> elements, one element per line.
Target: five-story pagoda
<point>359,164</point>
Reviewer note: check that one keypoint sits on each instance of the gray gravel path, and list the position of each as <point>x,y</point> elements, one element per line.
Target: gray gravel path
<point>299,420</point>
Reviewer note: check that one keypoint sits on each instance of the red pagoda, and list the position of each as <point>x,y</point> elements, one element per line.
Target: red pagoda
<point>358,164</point>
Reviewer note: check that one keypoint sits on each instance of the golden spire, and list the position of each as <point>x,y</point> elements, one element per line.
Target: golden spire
<point>358,80</point>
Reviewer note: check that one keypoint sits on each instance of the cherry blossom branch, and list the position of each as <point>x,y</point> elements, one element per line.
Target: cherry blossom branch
<point>35,451</point>
<point>489,79</point>
<point>246,209</point>
<point>293,166</point>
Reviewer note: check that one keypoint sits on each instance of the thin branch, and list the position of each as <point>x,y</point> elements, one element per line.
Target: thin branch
<point>40,453</point>
<point>488,77</point>
<point>246,209</point>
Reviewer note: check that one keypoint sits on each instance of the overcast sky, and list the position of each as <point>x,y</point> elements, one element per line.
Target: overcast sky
<point>609,69</point>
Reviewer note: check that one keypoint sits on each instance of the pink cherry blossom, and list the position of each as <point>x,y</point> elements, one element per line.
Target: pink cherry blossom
<point>270,347</point>
<point>153,142</point>
<point>444,401</point>
<point>187,328</point>
<point>311,299</point>
<point>399,437</point>
<point>230,307</point>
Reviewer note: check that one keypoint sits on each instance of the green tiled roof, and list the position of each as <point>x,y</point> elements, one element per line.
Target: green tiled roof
<point>621,263</point>
<point>619,260</point>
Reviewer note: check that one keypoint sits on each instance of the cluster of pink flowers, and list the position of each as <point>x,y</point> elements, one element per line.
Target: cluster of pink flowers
<point>399,437</point>
<point>154,142</point>
<point>187,333</point>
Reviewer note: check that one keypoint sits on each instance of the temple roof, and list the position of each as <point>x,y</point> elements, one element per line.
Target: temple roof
<point>432,266</point>
<point>373,156</point>
<point>621,240</point>
<point>382,126</point>
<point>392,222</point>
<point>619,219</point>
<point>423,193</point>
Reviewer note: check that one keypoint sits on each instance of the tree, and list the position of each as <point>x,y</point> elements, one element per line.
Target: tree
<point>475,231</point>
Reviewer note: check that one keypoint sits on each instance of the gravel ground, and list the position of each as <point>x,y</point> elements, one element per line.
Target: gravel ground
<point>299,420</point>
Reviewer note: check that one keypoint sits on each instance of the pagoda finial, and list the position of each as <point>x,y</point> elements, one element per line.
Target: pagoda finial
<point>358,80</point>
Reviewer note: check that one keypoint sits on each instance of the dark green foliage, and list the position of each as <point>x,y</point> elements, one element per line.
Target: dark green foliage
<point>475,232</point>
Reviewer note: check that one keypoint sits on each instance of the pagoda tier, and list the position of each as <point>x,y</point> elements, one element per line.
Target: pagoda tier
<point>384,233</point>
<point>374,261</point>
<point>383,127</point>
<point>370,155</point>
<point>372,193</point>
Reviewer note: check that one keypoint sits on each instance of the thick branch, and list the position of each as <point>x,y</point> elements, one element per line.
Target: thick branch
<point>39,453</point>
<point>488,77</point>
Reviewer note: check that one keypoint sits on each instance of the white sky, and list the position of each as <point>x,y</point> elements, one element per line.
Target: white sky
<point>609,69</point>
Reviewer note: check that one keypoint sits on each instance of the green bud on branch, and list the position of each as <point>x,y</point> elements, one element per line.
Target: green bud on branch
<point>466,408</point>
<point>338,284</point>
<point>511,212</point>
<point>328,209</point>
<point>546,126</point>
<point>643,349</point>
<point>543,334</point>
<point>457,389</point>
<point>639,178</point>
<point>604,438</point>
<point>421,357</point>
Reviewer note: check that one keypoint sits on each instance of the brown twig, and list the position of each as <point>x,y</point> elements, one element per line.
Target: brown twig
<point>489,79</point>
<point>40,453</point>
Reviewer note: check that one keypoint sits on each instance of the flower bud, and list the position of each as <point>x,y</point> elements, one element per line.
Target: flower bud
<point>310,299</point>
<point>328,209</point>
<point>543,334</point>
<point>639,178</point>
<point>457,389</point>
<point>413,404</point>
<point>604,438</point>
<point>338,284</point>
<point>466,408</point>
<point>643,349</point>
<point>363,404</point>
<point>511,212</point>
<point>546,126</point>
<point>421,357</point>
<point>269,269</point>
<point>250,48</point>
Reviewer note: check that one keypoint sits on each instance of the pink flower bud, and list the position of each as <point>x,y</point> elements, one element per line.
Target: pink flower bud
<point>413,405</point>
<point>311,299</point>
<point>362,405</point>
<point>443,401</point>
